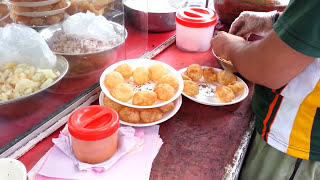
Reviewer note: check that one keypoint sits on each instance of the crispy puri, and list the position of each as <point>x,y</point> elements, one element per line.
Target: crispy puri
<point>157,71</point>
<point>209,74</point>
<point>169,79</point>
<point>112,79</point>
<point>129,114</point>
<point>224,94</point>
<point>164,91</point>
<point>140,75</point>
<point>125,70</point>
<point>167,107</point>
<point>150,115</point>
<point>185,77</point>
<point>144,98</point>
<point>123,92</point>
<point>190,88</point>
<point>236,86</point>
<point>111,104</point>
<point>225,77</point>
<point>195,72</point>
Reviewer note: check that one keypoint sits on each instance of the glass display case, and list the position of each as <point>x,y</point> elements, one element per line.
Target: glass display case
<point>80,61</point>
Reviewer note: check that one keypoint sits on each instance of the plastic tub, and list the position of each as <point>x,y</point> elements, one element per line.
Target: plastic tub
<point>38,21</point>
<point>94,133</point>
<point>194,30</point>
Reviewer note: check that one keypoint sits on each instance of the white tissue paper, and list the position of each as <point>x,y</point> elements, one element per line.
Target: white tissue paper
<point>25,45</point>
<point>89,25</point>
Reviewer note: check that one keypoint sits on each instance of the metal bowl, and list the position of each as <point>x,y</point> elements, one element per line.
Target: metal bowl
<point>151,21</point>
<point>84,64</point>
<point>225,64</point>
<point>27,103</point>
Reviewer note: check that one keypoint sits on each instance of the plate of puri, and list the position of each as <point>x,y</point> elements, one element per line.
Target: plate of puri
<point>212,86</point>
<point>144,92</point>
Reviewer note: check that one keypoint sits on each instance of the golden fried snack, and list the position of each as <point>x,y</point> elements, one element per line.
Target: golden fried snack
<point>225,77</point>
<point>164,91</point>
<point>112,79</point>
<point>129,114</point>
<point>167,107</point>
<point>190,88</point>
<point>150,115</point>
<point>236,86</point>
<point>224,94</point>
<point>185,77</point>
<point>125,70</point>
<point>111,104</point>
<point>195,72</point>
<point>123,92</point>
<point>140,75</point>
<point>209,74</point>
<point>169,79</point>
<point>157,71</point>
<point>144,98</point>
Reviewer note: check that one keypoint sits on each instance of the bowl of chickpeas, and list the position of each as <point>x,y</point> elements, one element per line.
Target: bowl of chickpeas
<point>23,85</point>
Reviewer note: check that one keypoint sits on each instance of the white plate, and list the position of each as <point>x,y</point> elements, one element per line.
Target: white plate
<point>165,116</point>
<point>43,13</point>
<point>134,63</point>
<point>32,4</point>
<point>207,95</point>
<point>12,169</point>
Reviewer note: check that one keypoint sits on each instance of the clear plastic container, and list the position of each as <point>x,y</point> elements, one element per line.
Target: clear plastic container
<point>194,29</point>
<point>94,133</point>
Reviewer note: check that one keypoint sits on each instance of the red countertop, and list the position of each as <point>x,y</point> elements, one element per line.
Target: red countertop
<point>199,141</point>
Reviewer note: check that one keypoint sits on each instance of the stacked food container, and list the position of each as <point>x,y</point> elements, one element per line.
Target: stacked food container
<point>37,12</point>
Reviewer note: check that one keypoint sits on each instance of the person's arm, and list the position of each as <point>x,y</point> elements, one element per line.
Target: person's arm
<point>269,62</point>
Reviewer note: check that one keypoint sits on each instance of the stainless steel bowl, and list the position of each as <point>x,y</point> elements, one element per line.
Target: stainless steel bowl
<point>84,64</point>
<point>151,21</point>
<point>27,103</point>
<point>225,64</point>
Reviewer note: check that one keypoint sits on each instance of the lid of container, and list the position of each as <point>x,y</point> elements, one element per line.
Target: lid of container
<point>93,123</point>
<point>196,17</point>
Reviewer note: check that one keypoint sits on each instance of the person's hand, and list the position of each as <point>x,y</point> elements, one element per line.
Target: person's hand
<point>224,44</point>
<point>249,22</point>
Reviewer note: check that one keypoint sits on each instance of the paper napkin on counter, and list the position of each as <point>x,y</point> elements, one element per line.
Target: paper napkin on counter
<point>135,164</point>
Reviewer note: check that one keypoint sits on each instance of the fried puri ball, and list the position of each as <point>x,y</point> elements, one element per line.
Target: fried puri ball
<point>167,107</point>
<point>157,71</point>
<point>236,86</point>
<point>209,74</point>
<point>164,91</point>
<point>224,94</point>
<point>185,77</point>
<point>111,104</point>
<point>195,72</point>
<point>190,88</point>
<point>144,98</point>
<point>129,114</point>
<point>225,77</point>
<point>169,79</point>
<point>112,79</point>
<point>123,92</point>
<point>140,75</point>
<point>125,70</point>
<point>150,115</point>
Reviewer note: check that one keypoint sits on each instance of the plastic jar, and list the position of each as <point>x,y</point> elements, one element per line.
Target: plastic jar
<point>94,133</point>
<point>194,29</point>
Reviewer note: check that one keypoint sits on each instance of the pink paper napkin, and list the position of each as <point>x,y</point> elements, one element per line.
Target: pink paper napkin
<point>59,165</point>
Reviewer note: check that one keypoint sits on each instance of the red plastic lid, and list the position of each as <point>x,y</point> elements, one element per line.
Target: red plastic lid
<point>93,123</point>
<point>196,17</point>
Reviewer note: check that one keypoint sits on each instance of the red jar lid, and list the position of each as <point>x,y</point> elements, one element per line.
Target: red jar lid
<point>196,17</point>
<point>93,123</point>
